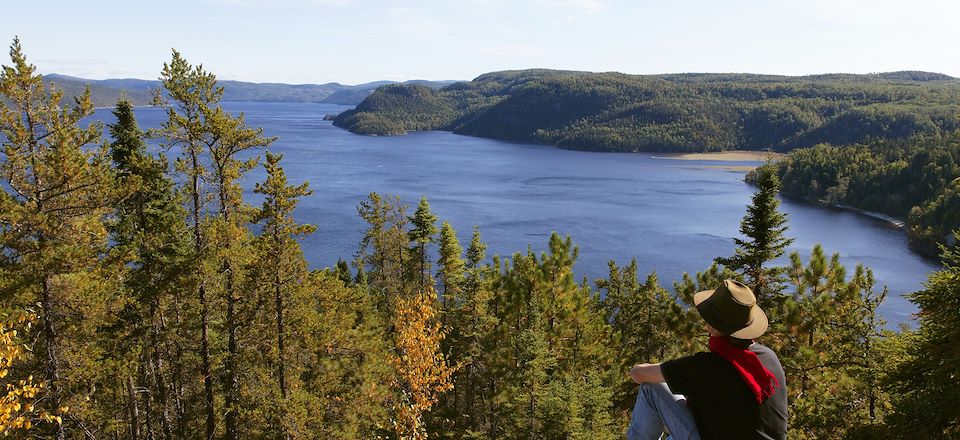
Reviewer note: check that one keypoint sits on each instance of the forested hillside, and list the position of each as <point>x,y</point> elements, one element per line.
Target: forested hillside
<point>681,112</point>
<point>145,297</point>
<point>917,180</point>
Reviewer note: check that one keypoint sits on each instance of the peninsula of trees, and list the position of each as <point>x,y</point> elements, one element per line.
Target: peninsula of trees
<point>917,180</point>
<point>682,112</point>
<point>884,142</point>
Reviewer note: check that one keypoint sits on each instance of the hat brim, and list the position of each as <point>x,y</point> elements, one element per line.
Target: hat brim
<point>758,319</point>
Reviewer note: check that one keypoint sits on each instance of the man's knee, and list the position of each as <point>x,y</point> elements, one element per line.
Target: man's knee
<point>654,388</point>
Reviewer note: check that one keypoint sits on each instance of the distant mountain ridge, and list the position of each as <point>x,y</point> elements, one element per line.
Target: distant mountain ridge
<point>671,112</point>
<point>105,92</point>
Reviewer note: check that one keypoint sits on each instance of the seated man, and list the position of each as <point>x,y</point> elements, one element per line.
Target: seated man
<point>737,391</point>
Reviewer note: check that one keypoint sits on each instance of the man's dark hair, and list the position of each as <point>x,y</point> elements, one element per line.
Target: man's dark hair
<point>742,344</point>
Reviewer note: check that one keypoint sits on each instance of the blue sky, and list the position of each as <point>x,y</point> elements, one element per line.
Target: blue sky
<point>354,41</point>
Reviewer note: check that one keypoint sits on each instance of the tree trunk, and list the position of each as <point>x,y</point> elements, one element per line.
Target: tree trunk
<point>211,422</point>
<point>156,368</point>
<point>176,369</point>
<point>281,369</point>
<point>232,384</point>
<point>52,356</point>
<point>132,411</point>
<point>281,364</point>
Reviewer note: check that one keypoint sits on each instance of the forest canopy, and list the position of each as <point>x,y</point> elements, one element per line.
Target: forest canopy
<point>917,180</point>
<point>145,297</point>
<point>677,112</point>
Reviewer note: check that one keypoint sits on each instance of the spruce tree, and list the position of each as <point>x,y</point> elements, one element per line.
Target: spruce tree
<point>477,251</point>
<point>422,234</point>
<point>471,335</point>
<point>343,272</point>
<point>149,230</point>
<point>451,272</point>
<point>763,229</point>
<point>926,361</point>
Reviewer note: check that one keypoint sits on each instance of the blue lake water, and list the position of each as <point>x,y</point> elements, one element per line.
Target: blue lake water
<point>672,216</point>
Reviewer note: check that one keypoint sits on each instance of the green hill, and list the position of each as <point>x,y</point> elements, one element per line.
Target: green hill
<point>677,112</point>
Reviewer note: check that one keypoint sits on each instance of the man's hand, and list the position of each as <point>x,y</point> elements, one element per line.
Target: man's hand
<point>641,373</point>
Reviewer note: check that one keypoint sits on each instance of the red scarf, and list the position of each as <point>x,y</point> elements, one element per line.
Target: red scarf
<point>758,378</point>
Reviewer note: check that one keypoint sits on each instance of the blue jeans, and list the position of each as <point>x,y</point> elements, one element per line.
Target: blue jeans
<point>658,408</point>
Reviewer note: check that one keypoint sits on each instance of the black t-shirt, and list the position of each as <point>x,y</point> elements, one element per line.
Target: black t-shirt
<point>722,403</point>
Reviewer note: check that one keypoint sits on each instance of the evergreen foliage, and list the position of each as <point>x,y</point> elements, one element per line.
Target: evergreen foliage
<point>914,180</point>
<point>57,194</point>
<point>150,233</point>
<point>423,233</point>
<point>686,112</point>
<point>167,307</point>
<point>925,392</point>
<point>763,228</point>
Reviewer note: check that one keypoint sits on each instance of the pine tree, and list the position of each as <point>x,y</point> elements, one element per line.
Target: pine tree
<point>451,263</point>
<point>827,341</point>
<point>57,190</point>
<point>763,228</point>
<point>280,251</point>
<point>190,95</point>
<point>422,234</point>
<point>383,248</point>
<point>232,238</point>
<point>202,129</point>
<point>647,323</point>
<point>551,331</point>
<point>340,363</point>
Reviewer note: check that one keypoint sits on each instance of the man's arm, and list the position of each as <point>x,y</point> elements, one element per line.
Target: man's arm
<point>641,373</point>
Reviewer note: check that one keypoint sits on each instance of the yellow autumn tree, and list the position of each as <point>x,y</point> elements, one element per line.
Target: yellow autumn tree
<point>422,370</point>
<point>16,405</point>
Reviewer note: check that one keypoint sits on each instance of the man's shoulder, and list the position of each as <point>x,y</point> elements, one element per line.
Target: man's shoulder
<point>767,357</point>
<point>756,346</point>
<point>762,350</point>
<point>699,358</point>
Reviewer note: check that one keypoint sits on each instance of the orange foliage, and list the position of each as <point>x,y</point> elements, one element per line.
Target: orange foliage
<point>422,370</point>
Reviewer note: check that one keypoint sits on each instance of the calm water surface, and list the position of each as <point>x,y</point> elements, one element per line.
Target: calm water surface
<point>672,216</point>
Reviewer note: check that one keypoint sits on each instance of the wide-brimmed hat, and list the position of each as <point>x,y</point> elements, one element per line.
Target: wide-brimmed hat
<point>732,309</point>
